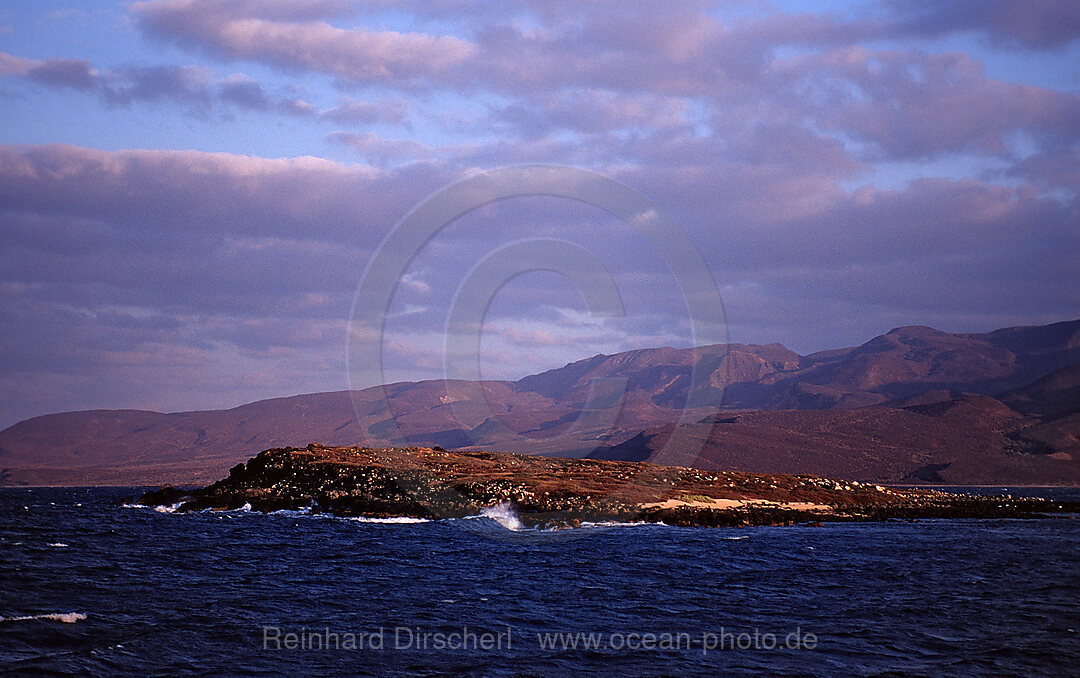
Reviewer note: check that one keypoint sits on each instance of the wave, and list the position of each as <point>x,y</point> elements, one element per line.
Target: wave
<point>309,512</point>
<point>396,520</point>
<point>304,512</point>
<point>65,617</point>
<point>615,523</point>
<point>58,545</point>
<point>168,509</point>
<point>295,513</point>
<point>504,514</point>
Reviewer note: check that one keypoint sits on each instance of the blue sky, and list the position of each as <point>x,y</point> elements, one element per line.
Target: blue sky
<point>190,190</point>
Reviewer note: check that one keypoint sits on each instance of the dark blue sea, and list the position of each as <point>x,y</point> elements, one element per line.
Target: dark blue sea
<point>89,587</point>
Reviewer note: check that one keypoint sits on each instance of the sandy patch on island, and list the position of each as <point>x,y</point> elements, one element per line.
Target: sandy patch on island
<point>722,504</point>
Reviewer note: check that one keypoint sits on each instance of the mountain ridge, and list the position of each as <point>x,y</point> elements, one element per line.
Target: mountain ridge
<point>594,405</point>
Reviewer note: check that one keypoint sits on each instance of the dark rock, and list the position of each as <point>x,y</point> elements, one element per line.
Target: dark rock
<point>557,492</point>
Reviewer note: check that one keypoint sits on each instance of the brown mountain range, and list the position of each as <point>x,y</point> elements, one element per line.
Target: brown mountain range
<point>915,404</point>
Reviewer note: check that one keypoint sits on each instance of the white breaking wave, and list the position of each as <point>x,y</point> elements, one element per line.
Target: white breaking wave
<point>303,511</point>
<point>65,617</point>
<point>58,545</point>
<point>504,514</point>
<point>168,509</point>
<point>396,520</point>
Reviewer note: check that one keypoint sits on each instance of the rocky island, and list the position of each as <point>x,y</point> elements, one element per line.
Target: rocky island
<point>425,482</point>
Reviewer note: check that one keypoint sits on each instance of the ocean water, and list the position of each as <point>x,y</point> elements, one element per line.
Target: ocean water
<point>89,586</point>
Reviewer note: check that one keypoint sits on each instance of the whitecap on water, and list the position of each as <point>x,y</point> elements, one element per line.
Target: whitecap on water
<point>614,523</point>
<point>504,514</point>
<point>65,617</point>
<point>168,509</point>
<point>396,520</point>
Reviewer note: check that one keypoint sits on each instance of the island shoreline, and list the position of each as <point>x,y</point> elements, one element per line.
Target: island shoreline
<point>555,492</point>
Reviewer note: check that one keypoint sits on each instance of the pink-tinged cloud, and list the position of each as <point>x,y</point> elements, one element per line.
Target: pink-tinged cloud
<point>654,70</point>
<point>161,186</point>
<point>217,260</point>
<point>13,65</point>
<point>354,55</point>
<point>634,46</point>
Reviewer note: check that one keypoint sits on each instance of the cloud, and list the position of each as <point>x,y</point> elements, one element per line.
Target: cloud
<point>381,151</point>
<point>1057,167</point>
<point>197,88</point>
<point>244,91</point>
<point>354,55</point>
<point>784,144</point>
<point>188,85</point>
<point>162,264</point>
<point>647,71</point>
<point>1036,24</point>
<point>915,105</point>
<point>283,10</point>
<point>368,112</point>
<point>415,283</point>
<point>531,338</point>
<point>184,84</point>
<point>591,111</point>
<point>350,111</point>
<point>71,73</point>
<point>164,279</point>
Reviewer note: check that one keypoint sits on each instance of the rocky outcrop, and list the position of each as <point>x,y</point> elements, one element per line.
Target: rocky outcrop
<point>434,483</point>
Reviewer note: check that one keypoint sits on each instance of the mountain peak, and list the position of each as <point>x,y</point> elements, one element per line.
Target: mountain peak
<point>572,410</point>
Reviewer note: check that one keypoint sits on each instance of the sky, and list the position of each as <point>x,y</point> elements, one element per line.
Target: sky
<point>191,191</point>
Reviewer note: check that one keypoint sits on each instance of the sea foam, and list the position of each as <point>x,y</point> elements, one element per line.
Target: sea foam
<point>396,520</point>
<point>168,509</point>
<point>65,617</point>
<point>504,514</point>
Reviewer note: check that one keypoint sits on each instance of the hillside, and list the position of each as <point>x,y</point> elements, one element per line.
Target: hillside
<point>972,439</point>
<point>602,405</point>
<point>529,491</point>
